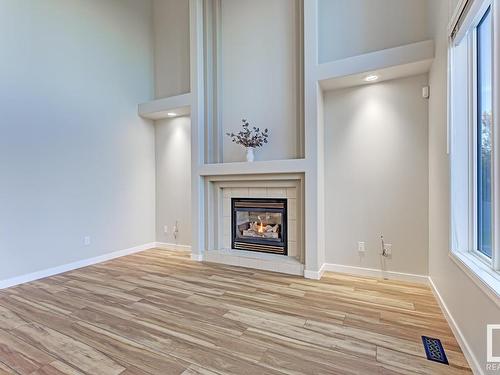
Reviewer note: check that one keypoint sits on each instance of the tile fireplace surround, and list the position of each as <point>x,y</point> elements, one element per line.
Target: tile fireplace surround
<point>219,222</point>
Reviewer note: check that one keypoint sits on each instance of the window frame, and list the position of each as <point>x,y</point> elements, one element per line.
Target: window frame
<point>483,270</point>
<point>474,127</point>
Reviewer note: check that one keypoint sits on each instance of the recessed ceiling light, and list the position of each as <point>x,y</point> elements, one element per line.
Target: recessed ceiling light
<point>371,78</point>
<point>171,114</point>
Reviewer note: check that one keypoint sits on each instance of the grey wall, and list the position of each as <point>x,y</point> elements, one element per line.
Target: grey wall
<point>471,309</point>
<point>259,76</point>
<point>173,180</point>
<point>171,30</point>
<point>352,27</point>
<point>376,174</point>
<point>172,136</point>
<point>75,159</point>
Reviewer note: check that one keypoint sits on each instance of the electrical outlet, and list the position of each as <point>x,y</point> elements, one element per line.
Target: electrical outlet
<point>165,229</point>
<point>361,247</point>
<point>175,229</point>
<point>388,249</point>
<point>86,241</point>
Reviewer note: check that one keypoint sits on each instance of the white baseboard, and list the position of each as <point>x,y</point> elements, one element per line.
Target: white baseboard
<point>8,283</point>
<point>171,246</point>
<point>197,257</point>
<point>372,272</point>
<point>469,355</point>
<point>315,275</point>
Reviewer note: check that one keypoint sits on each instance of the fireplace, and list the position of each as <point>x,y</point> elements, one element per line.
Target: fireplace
<point>259,224</point>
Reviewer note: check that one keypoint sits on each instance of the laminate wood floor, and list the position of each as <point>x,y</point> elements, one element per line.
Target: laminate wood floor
<point>158,312</point>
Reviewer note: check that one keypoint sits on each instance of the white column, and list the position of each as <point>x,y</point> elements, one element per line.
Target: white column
<point>197,129</point>
<point>313,134</point>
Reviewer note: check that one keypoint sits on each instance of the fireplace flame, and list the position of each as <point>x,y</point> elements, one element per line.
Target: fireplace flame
<point>261,226</point>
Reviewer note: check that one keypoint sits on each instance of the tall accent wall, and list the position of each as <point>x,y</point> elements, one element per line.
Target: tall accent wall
<point>172,135</point>
<point>376,175</point>
<point>260,77</point>
<point>171,35</point>
<point>470,307</point>
<point>75,159</point>
<point>353,27</point>
<point>173,180</point>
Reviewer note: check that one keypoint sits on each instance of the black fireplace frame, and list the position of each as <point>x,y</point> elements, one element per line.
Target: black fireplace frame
<point>258,241</point>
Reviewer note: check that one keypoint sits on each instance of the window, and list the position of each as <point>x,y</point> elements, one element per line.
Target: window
<point>484,134</point>
<point>473,139</point>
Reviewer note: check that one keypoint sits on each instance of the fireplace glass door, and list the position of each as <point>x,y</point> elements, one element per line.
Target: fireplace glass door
<point>259,225</point>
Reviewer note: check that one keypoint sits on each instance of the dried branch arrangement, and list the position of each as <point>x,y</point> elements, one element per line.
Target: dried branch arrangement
<point>249,137</point>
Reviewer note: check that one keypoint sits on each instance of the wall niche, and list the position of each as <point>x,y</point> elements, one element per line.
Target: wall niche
<point>253,70</point>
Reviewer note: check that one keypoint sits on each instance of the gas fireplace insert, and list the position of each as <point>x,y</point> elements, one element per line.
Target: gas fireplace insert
<point>259,224</point>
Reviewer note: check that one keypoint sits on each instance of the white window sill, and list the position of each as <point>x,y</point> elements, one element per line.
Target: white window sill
<point>483,276</point>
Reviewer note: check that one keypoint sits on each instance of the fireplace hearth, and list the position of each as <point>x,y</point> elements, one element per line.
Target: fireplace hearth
<point>259,224</point>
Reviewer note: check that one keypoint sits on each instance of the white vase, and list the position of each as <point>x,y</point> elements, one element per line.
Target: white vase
<point>250,154</point>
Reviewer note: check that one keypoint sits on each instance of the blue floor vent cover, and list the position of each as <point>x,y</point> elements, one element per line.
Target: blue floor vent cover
<point>434,350</point>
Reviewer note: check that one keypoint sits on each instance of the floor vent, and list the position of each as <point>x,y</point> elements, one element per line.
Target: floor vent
<point>434,350</point>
